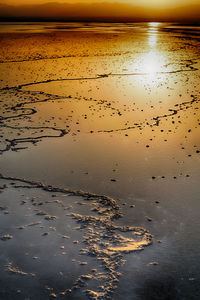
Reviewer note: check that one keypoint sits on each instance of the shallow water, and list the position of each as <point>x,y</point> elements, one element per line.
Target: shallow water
<point>109,109</point>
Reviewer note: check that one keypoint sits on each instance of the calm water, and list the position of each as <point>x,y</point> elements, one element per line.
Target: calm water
<point>109,109</point>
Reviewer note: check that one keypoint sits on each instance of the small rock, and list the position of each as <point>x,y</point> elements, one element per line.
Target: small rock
<point>6,237</point>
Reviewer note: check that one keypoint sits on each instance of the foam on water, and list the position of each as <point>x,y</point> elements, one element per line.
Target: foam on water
<point>101,239</point>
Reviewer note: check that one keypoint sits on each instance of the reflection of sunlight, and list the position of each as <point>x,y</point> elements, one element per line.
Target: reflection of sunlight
<point>153,24</point>
<point>153,31</point>
<point>149,63</point>
<point>152,62</point>
<point>152,40</point>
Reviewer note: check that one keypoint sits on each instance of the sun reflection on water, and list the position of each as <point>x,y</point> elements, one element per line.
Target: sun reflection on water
<point>153,24</point>
<point>153,34</point>
<point>152,40</point>
<point>152,61</point>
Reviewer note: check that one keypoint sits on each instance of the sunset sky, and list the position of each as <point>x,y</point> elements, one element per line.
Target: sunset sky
<point>113,10</point>
<point>160,3</point>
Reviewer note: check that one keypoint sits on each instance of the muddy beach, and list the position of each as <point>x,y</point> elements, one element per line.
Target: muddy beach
<point>99,161</point>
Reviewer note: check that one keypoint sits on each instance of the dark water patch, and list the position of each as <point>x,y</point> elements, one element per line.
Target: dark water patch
<point>102,239</point>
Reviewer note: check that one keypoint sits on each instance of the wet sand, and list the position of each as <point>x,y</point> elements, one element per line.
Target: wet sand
<point>99,163</point>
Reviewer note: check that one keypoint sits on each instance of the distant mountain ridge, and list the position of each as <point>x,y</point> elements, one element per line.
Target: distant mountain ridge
<point>97,12</point>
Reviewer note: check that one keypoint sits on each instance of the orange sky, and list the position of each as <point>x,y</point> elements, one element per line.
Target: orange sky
<point>151,3</point>
<point>114,10</point>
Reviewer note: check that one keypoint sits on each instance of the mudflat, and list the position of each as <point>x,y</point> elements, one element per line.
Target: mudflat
<point>99,161</point>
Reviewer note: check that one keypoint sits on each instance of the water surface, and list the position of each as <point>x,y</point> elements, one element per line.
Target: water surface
<point>112,110</point>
